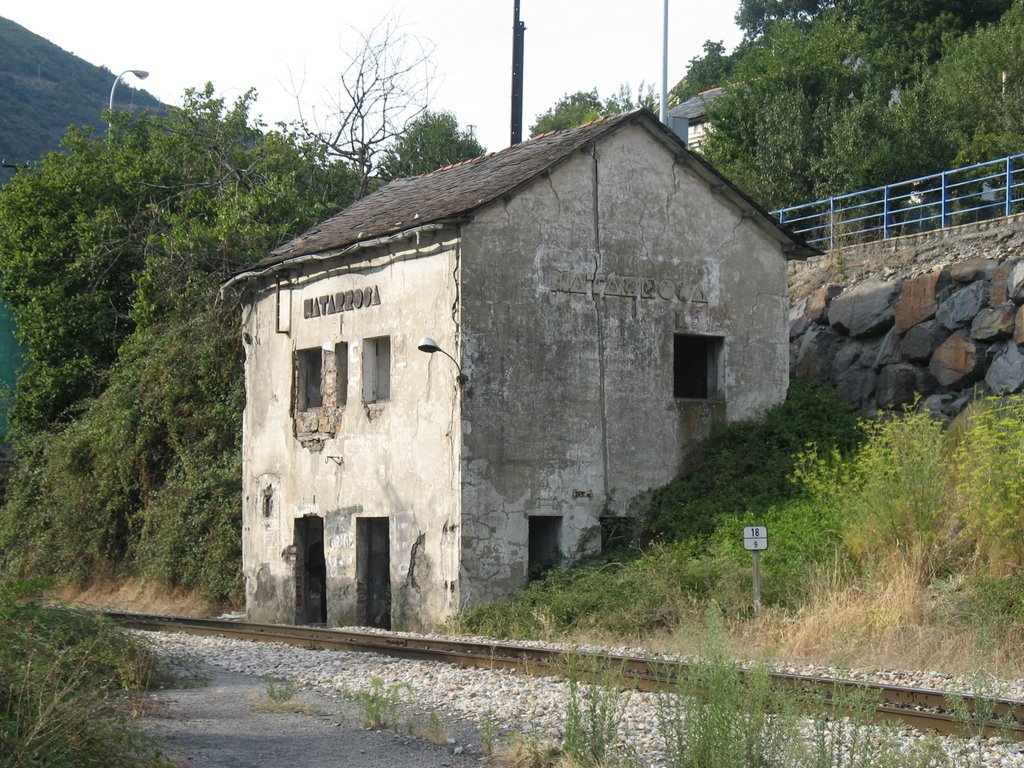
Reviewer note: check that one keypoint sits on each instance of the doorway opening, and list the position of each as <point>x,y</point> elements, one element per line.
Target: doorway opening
<point>373,565</point>
<point>545,550</point>
<point>310,571</point>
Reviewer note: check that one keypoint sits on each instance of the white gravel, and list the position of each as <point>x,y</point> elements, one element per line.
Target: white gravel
<point>513,703</point>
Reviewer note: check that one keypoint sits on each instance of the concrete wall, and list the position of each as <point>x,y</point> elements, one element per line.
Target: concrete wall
<point>572,291</point>
<point>396,458</point>
<point>562,303</point>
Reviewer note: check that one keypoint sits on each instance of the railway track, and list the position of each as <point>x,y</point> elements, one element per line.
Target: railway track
<point>921,708</point>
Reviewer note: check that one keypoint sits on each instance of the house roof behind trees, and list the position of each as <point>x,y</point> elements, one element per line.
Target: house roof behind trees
<point>454,192</point>
<point>697,107</point>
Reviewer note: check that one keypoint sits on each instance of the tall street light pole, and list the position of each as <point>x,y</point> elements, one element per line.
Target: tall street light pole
<point>664,67</point>
<point>139,73</point>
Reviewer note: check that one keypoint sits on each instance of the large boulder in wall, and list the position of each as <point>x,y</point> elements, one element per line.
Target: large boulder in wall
<point>922,340</point>
<point>958,362</point>
<point>962,305</point>
<point>865,310</point>
<point>919,298</point>
<point>818,349</point>
<point>1006,373</point>
<point>900,384</point>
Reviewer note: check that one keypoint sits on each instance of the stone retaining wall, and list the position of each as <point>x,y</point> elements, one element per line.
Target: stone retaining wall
<point>910,326</point>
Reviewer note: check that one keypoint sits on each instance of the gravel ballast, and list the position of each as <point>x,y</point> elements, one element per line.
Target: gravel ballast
<point>462,699</point>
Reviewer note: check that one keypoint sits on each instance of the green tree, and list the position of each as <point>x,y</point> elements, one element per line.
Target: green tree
<point>831,96</point>
<point>127,422</point>
<point>710,70</point>
<point>117,232</point>
<point>756,17</point>
<point>768,132</point>
<point>584,106</point>
<point>434,140</point>
<point>569,111</point>
<point>976,91</point>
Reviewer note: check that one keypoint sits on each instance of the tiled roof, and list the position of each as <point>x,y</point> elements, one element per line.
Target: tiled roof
<point>456,191</point>
<point>696,107</point>
<point>448,192</point>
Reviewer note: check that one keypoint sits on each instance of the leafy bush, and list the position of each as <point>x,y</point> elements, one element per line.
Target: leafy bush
<point>896,501</point>
<point>63,678</point>
<point>746,467</point>
<point>989,476</point>
<point>744,476</point>
<point>147,479</point>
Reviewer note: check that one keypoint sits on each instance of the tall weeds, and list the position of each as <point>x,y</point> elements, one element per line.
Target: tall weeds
<point>989,477</point>
<point>64,680</point>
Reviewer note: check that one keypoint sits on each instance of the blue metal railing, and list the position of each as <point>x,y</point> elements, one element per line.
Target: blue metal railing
<point>972,193</point>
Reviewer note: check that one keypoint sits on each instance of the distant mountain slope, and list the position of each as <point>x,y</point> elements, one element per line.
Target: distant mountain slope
<point>44,89</point>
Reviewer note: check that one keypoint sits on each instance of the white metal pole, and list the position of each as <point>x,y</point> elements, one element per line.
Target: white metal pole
<point>139,73</point>
<point>664,68</point>
<point>757,584</point>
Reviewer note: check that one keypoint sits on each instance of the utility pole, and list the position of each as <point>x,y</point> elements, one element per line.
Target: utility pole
<point>518,33</point>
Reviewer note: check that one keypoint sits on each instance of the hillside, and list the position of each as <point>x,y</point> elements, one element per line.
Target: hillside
<point>44,89</point>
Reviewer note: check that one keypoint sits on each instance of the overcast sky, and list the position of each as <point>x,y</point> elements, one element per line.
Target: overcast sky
<point>292,52</point>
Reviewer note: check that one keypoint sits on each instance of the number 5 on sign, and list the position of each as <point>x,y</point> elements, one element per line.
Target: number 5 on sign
<point>755,539</point>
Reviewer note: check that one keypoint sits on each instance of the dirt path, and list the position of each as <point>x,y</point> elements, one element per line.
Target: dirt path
<point>222,723</point>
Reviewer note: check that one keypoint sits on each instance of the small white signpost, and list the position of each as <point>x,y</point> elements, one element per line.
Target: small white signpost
<point>755,539</point>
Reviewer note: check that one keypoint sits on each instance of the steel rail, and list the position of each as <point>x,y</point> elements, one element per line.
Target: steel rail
<point>921,708</point>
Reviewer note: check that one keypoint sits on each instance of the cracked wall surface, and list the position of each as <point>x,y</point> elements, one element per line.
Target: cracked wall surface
<point>393,458</point>
<point>560,302</point>
<point>571,299</point>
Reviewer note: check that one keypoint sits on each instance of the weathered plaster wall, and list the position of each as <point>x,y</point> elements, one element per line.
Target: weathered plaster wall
<point>572,291</point>
<point>395,458</point>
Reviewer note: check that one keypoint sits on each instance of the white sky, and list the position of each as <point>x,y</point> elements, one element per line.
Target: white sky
<point>571,45</point>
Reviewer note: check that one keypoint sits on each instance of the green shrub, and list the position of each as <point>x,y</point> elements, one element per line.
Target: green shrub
<point>381,703</point>
<point>64,675</point>
<point>896,502</point>
<point>593,714</point>
<point>147,479</point>
<point>989,493</point>
<point>746,466</point>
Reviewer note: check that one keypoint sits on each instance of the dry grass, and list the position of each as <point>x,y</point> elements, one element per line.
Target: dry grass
<point>897,621</point>
<point>135,595</point>
<point>526,750</point>
<point>432,730</point>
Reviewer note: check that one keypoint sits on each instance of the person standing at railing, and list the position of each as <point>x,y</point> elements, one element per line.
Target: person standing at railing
<point>989,204</point>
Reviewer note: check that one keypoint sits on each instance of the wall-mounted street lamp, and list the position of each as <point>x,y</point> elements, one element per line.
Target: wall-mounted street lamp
<point>428,345</point>
<point>139,73</point>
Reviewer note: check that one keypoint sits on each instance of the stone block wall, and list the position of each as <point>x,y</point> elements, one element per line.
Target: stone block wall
<point>947,335</point>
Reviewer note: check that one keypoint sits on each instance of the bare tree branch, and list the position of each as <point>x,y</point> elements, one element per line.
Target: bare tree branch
<point>384,85</point>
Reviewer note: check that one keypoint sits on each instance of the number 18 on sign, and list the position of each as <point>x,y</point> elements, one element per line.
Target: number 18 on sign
<point>755,539</point>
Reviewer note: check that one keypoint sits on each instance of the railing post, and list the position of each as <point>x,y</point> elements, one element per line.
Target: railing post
<point>1008,208</point>
<point>831,222</point>
<point>944,216</point>
<point>782,216</point>
<point>885,212</point>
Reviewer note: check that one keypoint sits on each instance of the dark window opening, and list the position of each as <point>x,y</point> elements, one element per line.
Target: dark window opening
<point>267,502</point>
<point>310,371</point>
<point>695,366</point>
<point>545,551</point>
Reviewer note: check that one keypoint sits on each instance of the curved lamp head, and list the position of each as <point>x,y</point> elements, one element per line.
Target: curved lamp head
<point>428,345</point>
<point>139,73</point>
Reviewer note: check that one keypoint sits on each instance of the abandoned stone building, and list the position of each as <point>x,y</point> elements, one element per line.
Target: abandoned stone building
<point>468,375</point>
